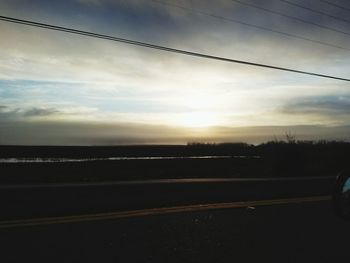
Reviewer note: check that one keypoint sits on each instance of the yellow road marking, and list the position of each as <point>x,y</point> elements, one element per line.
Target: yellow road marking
<point>155,211</point>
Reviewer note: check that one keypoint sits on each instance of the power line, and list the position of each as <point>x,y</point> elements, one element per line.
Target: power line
<point>336,5</point>
<point>291,17</point>
<point>250,25</point>
<point>315,11</point>
<point>162,48</point>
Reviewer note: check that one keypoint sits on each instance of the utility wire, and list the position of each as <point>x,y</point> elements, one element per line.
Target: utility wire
<point>315,11</point>
<point>336,5</point>
<point>291,17</point>
<point>162,48</point>
<point>249,25</point>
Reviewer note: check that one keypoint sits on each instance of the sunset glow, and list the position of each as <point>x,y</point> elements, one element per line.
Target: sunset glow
<point>80,85</point>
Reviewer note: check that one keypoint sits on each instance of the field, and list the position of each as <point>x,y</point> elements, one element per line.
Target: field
<point>245,172</point>
<point>276,159</point>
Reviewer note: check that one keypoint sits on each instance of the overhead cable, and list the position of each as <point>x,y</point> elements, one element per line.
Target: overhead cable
<point>315,11</point>
<point>292,17</point>
<point>336,5</point>
<point>162,48</point>
<point>285,34</point>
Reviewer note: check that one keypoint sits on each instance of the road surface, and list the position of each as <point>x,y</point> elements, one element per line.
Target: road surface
<point>155,211</point>
<point>290,232</point>
<point>55,200</point>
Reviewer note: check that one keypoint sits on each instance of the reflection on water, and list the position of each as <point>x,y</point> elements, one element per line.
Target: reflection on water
<point>60,160</point>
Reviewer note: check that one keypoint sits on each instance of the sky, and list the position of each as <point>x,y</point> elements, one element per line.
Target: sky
<point>63,89</point>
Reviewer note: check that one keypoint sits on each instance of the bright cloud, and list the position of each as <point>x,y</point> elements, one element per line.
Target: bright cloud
<point>56,77</point>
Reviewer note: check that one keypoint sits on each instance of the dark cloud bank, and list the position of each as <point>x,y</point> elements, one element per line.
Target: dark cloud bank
<point>26,127</point>
<point>67,133</point>
<point>326,105</point>
<point>11,114</point>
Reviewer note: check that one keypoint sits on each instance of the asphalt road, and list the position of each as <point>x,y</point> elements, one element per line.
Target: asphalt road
<point>294,232</point>
<point>33,201</point>
<point>155,211</point>
<point>187,220</point>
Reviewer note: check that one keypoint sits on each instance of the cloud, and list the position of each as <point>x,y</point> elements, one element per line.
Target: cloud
<point>89,2</point>
<point>326,105</point>
<point>8,114</point>
<point>14,114</point>
<point>40,112</point>
<point>62,78</point>
<point>88,133</point>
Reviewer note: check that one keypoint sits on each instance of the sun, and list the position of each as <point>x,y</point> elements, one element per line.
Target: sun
<point>202,111</point>
<point>199,120</point>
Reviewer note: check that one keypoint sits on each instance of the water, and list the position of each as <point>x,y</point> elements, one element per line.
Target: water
<point>64,160</point>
